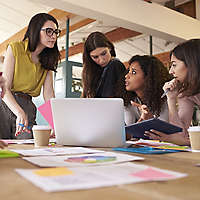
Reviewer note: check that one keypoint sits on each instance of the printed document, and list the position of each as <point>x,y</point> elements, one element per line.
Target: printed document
<point>80,178</point>
<point>104,158</point>
<point>53,151</point>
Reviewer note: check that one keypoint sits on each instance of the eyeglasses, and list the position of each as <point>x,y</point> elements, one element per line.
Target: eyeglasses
<point>50,31</point>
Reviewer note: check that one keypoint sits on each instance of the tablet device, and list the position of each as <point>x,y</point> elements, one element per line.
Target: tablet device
<point>137,130</point>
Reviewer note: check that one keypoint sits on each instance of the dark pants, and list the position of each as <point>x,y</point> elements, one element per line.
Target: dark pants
<point>8,119</point>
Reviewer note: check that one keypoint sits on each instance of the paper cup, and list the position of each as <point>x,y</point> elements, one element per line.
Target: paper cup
<point>41,135</point>
<point>194,134</point>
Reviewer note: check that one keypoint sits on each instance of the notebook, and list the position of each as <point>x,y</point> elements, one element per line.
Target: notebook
<point>137,130</point>
<point>95,122</point>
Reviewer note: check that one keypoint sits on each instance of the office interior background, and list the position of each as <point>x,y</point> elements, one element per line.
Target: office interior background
<point>134,26</point>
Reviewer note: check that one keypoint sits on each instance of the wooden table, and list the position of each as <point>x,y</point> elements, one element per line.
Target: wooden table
<point>14,187</point>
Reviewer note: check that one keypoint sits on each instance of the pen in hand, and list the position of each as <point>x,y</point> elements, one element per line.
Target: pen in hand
<point>25,129</point>
<point>165,92</point>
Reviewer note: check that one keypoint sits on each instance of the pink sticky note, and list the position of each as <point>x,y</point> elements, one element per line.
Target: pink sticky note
<point>151,174</point>
<point>46,112</point>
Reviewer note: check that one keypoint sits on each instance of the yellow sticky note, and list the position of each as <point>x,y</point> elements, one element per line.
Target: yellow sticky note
<point>58,171</point>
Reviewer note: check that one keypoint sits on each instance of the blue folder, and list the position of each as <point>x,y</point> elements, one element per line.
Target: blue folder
<point>146,150</point>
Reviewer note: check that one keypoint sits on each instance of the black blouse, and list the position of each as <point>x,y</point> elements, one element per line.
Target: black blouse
<point>110,75</point>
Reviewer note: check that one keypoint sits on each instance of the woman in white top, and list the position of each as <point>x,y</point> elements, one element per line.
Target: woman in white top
<point>142,90</point>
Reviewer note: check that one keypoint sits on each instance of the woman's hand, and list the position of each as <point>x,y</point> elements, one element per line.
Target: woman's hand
<point>52,133</point>
<point>21,123</point>
<point>3,144</point>
<point>145,113</point>
<point>173,86</point>
<point>176,138</point>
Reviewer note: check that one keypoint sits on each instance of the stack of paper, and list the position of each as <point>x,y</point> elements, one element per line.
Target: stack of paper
<point>52,151</point>
<point>83,168</point>
<point>160,145</point>
<point>77,178</point>
<point>104,158</point>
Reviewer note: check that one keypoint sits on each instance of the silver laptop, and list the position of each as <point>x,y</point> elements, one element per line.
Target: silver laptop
<point>95,122</point>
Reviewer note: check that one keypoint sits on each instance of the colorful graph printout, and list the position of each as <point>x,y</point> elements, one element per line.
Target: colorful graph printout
<point>91,159</point>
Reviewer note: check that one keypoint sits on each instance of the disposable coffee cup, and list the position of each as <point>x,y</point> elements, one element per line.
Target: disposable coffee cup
<point>194,134</point>
<point>41,135</point>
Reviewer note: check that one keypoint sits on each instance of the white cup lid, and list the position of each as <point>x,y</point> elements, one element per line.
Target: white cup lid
<point>194,128</point>
<point>41,127</point>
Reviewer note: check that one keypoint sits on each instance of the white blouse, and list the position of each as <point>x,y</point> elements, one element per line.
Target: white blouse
<point>132,114</point>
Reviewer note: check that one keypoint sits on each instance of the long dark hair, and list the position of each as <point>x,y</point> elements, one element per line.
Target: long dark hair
<point>155,74</point>
<point>92,71</point>
<point>189,53</point>
<point>49,57</point>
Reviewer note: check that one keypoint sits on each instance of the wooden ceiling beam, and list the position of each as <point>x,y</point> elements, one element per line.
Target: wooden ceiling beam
<point>58,14</point>
<point>115,35</point>
<point>77,25</point>
<point>61,14</point>
<point>17,36</point>
<point>121,34</point>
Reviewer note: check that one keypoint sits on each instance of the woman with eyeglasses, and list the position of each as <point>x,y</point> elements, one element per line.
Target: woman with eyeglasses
<point>101,70</point>
<point>28,68</point>
<point>183,91</point>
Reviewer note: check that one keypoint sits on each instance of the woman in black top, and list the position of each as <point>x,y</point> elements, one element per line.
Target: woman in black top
<point>101,70</point>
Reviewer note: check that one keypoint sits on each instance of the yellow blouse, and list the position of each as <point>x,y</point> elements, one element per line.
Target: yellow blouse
<point>28,77</point>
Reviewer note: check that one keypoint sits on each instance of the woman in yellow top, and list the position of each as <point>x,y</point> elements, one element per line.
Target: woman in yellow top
<point>28,67</point>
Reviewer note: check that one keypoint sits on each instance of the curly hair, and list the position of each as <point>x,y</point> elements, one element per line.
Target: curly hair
<point>91,71</point>
<point>155,74</point>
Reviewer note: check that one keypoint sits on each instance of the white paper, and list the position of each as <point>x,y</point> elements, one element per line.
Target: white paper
<point>158,144</point>
<point>53,151</point>
<point>81,160</point>
<point>97,176</point>
<point>195,150</point>
<point>27,141</point>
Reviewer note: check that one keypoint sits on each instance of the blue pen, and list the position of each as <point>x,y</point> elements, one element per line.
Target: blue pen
<point>22,125</point>
<point>28,127</point>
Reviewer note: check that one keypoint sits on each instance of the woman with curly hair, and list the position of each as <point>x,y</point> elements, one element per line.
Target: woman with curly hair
<point>101,70</point>
<point>143,89</point>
